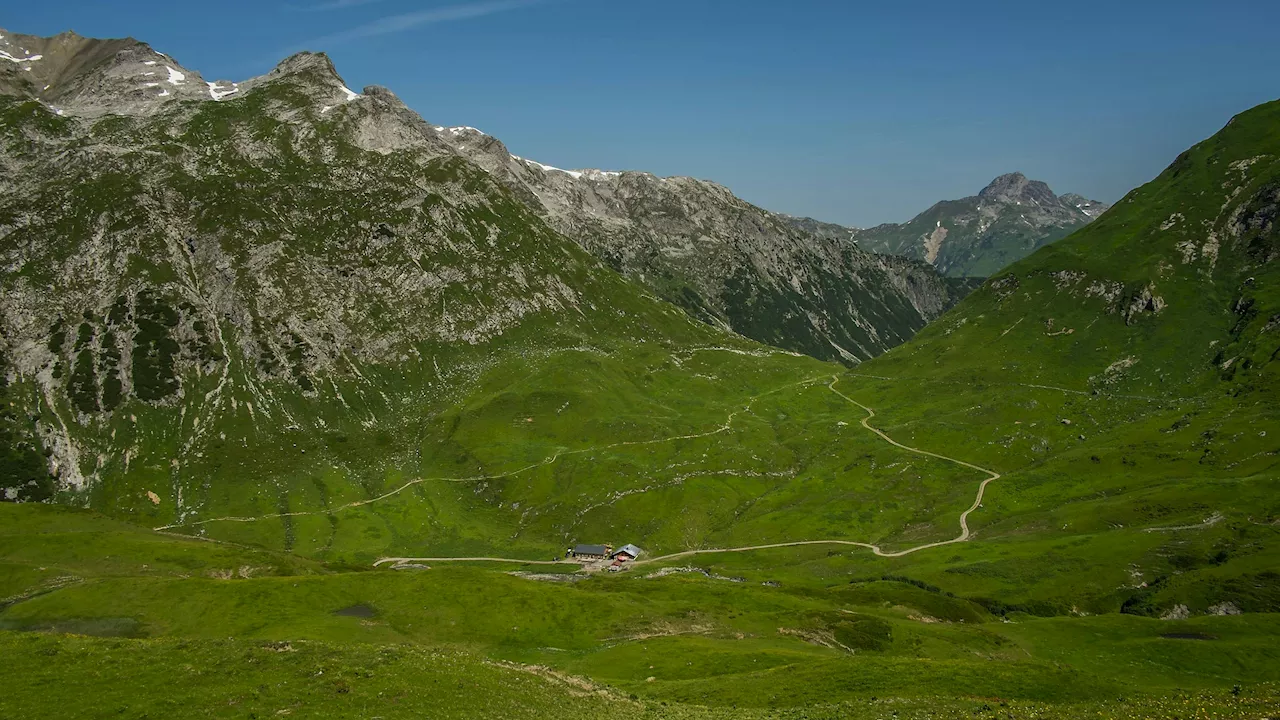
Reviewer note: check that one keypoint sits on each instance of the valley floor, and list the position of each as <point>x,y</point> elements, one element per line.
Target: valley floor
<point>865,422</point>
<point>110,612</point>
<point>1117,579</point>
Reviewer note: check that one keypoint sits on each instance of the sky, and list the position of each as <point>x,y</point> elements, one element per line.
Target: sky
<point>851,112</point>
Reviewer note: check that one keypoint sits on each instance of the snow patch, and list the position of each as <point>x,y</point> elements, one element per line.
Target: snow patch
<point>218,93</point>
<point>149,63</point>
<point>175,77</point>
<point>31,58</point>
<point>549,168</point>
<point>351,94</point>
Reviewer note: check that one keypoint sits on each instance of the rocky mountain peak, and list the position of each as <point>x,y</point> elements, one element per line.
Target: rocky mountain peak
<point>383,95</point>
<point>315,66</point>
<point>86,76</point>
<point>976,236</point>
<point>1092,208</point>
<point>1014,188</point>
<point>725,261</point>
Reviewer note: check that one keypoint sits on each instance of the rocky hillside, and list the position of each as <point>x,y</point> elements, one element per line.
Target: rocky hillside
<point>185,265</point>
<point>794,285</point>
<point>822,229</point>
<point>977,236</point>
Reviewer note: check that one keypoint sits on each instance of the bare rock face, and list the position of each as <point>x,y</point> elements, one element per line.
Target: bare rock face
<point>827,230</point>
<point>1226,608</point>
<point>88,77</point>
<point>1145,301</point>
<point>691,242</point>
<point>1016,189</point>
<point>977,236</point>
<point>725,261</point>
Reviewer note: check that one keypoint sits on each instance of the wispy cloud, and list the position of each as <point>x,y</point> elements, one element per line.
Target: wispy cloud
<point>338,5</point>
<point>410,20</point>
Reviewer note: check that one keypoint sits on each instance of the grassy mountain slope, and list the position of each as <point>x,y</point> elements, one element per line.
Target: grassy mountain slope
<point>1124,380</point>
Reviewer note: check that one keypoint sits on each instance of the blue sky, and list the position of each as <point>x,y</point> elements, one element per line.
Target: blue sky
<point>847,111</point>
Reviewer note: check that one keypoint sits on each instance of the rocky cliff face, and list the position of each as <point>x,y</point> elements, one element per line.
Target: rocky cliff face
<point>87,77</point>
<point>977,236</point>
<point>724,260</point>
<point>822,229</point>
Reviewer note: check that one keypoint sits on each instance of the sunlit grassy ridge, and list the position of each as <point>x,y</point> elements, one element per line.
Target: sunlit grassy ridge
<point>1124,381</point>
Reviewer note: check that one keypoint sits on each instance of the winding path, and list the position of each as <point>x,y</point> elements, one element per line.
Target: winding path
<point>405,561</point>
<point>964,535</point>
<point>551,459</point>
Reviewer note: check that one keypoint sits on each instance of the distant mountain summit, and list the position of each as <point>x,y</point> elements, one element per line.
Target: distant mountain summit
<point>976,236</point>
<point>1015,188</point>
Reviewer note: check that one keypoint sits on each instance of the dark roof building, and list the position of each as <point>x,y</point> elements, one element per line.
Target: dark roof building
<point>590,550</point>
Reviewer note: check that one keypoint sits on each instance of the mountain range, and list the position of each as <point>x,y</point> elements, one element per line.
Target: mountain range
<point>725,261</point>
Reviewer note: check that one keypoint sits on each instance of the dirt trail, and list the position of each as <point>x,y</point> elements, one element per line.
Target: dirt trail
<point>866,423</point>
<point>1209,522</point>
<point>551,459</point>
<point>725,427</point>
<point>405,561</point>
